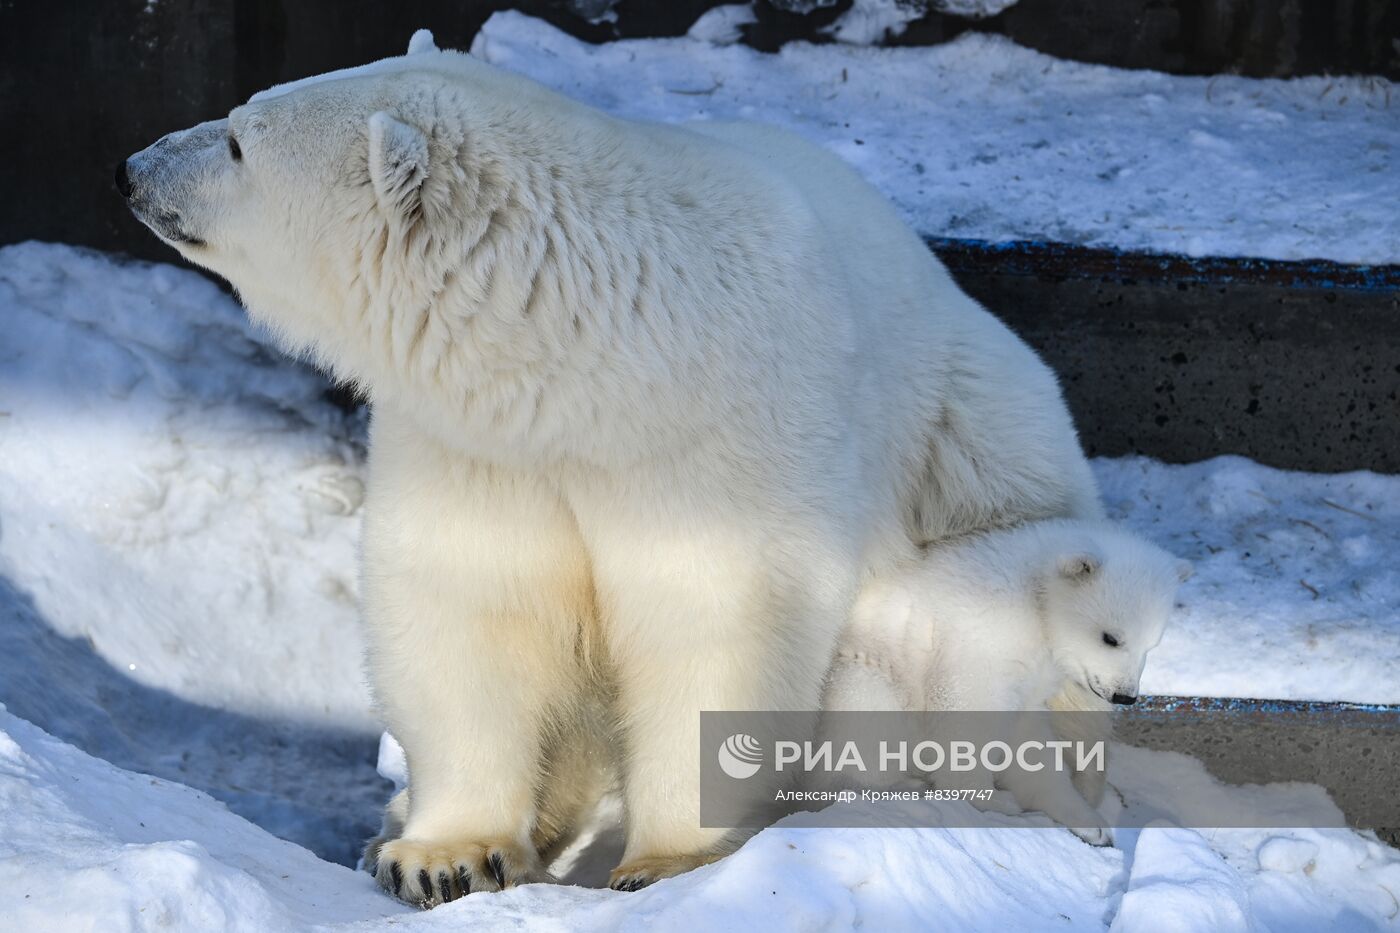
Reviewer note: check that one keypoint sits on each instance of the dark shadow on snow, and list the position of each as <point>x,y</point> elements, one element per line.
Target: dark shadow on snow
<point>314,786</point>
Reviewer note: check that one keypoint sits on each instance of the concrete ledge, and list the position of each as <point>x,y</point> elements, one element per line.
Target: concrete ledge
<point>1352,749</point>
<point>1293,364</point>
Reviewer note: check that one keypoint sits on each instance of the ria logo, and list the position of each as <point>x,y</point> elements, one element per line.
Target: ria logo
<point>740,756</point>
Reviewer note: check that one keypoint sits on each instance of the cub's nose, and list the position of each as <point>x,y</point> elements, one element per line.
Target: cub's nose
<point>123,179</point>
<point>1124,699</point>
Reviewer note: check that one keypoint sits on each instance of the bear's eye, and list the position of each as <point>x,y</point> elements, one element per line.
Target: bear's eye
<point>234,151</point>
<point>1110,640</point>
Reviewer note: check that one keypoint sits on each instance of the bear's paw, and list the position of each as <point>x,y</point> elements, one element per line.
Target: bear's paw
<point>429,873</point>
<point>638,873</point>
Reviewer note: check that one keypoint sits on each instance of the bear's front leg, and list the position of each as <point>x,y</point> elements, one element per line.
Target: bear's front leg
<point>1051,790</point>
<point>1086,718</point>
<point>703,610</point>
<point>476,597</point>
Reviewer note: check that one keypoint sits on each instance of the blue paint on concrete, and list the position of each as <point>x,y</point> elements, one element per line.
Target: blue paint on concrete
<point>1046,257</point>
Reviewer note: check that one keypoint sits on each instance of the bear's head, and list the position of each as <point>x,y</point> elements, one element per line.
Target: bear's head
<point>341,207</point>
<point>1105,598</point>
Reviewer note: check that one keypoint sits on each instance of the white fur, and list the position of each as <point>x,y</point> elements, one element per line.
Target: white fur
<point>650,403</point>
<point>1013,620</point>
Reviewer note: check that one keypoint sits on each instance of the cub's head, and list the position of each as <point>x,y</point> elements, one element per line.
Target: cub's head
<point>1106,596</point>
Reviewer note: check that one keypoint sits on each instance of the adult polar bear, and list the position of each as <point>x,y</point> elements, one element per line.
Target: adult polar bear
<point>649,404</point>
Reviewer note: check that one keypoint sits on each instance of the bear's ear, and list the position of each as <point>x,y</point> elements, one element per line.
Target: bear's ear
<point>398,162</point>
<point>421,41</point>
<point>1184,570</point>
<point>1079,567</point>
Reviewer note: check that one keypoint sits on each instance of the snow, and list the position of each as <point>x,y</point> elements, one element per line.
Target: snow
<point>868,22</point>
<point>1296,593</point>
<point>722,25</point>
<point>177,542</point>
<point>85,845</point>
<point>975,9</point>
<point>1180,885</point>
<point>980,138</point>
<point>897,20</point>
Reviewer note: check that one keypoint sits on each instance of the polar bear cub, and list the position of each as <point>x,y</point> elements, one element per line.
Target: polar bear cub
<point>1050,615</point>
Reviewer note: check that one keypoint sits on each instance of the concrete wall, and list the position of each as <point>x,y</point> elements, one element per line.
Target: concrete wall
<point>1295,364</point>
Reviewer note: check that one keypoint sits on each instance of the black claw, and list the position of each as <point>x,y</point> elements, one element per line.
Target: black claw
<point>395,877</point>
<point>444,886</point>
<point>497,864</point>
<point>425,884</point>
<point>464,880</point>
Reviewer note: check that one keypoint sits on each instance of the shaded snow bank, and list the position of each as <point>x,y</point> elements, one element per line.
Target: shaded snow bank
<point>177,544</point>
<point>980,138</point>
<point>173,489</point>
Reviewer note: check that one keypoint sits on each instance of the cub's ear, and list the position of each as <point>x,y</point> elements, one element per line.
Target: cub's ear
<point>421,41</point>
<point>1079,567</point>
<point>398,162</point>
<point>1184,570</point>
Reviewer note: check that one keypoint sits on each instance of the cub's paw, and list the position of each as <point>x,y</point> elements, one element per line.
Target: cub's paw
<point>427,874</point>
<point>638,873</point>
<point>1094,835</point>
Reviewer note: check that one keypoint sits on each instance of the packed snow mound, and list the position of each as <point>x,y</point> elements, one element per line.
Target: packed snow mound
<point>86,845</point>
<point>173,489</point>
<point>980,138</point>
<point>1181,885</point>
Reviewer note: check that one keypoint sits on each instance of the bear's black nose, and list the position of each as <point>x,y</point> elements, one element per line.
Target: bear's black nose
<point>123,180</point>
<point>1123,699</point>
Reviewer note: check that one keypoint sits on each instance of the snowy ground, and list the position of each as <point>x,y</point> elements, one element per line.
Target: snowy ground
<point>983,139</point>
<point>88,846</point>
<point>178,506</point>
<point>173,493</point>
<point>1297,587</point>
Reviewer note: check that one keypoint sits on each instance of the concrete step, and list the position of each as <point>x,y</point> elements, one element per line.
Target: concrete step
<point>1351,749</point>
<point>1293,364</point>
